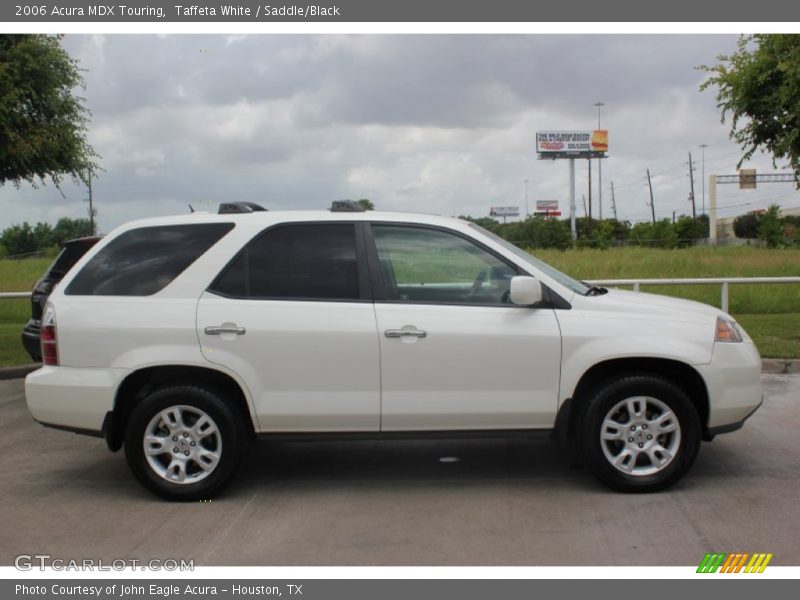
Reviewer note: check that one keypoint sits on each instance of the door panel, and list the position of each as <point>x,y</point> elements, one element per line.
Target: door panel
<point>291,316</point>
<point>476,368</point>
<point>310,366</point>
<point>459,355</point>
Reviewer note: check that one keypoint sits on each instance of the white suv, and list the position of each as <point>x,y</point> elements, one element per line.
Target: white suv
<point>183,338</point>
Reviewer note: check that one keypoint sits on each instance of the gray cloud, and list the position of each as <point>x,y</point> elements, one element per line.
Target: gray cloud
<point>440,124</point>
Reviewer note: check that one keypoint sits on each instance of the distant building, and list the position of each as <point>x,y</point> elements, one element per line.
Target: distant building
<point>725,233</point>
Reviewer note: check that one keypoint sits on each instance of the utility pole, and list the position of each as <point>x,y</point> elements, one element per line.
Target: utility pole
<point>584,206</point>
<point>91,202</point>
<point>703,177</point>
<point>712,209</point>
<point>691,183</point>
<point>652,202</point>
<point>613,201</point>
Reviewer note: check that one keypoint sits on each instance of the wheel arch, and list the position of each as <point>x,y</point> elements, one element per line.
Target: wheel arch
<point>141,382</point>
<point>681,374</point>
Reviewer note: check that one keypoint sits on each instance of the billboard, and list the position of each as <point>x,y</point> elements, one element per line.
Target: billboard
<point>504,211</point>
<point>546,205</point>
<point>572,144</point>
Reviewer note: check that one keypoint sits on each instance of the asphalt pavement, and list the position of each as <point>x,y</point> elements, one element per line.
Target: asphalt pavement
<point>490,502</point>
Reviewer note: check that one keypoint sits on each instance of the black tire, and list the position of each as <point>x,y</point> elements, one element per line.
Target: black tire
<point>605,398</point>
<point>230,435</point>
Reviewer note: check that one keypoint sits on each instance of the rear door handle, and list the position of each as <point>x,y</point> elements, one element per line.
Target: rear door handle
<point>397,333</point>
<point>220,329</point>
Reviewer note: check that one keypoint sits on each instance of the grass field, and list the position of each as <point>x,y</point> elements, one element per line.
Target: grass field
<point>770,313</point>
<point>17,276</point>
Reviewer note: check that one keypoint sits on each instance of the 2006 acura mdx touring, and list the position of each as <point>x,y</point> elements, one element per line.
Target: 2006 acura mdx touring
<point>182,338</point>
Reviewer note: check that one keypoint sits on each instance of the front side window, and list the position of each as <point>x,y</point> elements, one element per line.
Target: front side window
<point>306,262</point>
<point>432,266</point>
<point>143,261</point>
<point>568,282</point>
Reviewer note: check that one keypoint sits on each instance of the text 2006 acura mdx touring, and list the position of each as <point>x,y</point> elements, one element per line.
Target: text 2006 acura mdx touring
<point>180,338</point>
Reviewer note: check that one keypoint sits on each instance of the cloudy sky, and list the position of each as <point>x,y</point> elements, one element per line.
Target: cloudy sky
<point>442,124</point>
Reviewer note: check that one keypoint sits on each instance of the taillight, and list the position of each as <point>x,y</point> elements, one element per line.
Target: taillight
<point>48,336</point>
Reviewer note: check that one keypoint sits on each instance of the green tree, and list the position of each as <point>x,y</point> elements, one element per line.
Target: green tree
<point>688,229</point>
<point>366,204</point>
<point>69,229</point>
<point>621,229</point>
<point>43,235</point>
<point>758,86</point>
<point>770,227</point>
<point>43,124</point>
<point>602,234</point>
<point>554,233</point>
<point>22,239</point>
<point>18,239</point>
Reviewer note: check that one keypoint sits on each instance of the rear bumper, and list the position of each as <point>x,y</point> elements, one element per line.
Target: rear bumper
<point>75,399</point>
<point>733,378</point>
<point>30,339</point>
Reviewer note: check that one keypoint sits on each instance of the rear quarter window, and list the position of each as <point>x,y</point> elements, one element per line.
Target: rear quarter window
<point>143,261</point>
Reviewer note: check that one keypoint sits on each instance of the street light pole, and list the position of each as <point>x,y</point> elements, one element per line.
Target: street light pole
<point>599,105</point>
<point>526,199</point>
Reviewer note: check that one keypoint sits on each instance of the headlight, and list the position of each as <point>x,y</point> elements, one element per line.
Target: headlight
<point>727,331</point>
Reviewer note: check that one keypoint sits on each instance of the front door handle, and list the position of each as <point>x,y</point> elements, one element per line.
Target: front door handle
<point>221,329</point>
<point>398,333</point>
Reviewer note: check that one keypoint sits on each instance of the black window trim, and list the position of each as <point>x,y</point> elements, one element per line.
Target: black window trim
<point>551,299</point>
<point>364,284</point>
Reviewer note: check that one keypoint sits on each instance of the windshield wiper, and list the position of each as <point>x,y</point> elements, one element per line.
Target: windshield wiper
<point>595,290</point>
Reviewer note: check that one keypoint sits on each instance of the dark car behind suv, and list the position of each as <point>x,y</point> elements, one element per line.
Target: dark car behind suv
<point>70,253</point>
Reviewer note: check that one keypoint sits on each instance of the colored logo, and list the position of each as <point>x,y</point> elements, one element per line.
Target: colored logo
<point>736,562</point>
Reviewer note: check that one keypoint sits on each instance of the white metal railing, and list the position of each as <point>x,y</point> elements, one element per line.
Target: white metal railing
<point>724,282</point>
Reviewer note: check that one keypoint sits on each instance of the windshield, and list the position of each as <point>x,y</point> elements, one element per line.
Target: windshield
<point>68,257</point>
<point>565,280</point>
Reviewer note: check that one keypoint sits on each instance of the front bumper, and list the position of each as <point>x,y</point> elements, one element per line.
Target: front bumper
<point>733,379</point>
<point>72,398</point>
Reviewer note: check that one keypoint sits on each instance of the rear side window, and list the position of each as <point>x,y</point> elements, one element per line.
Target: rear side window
<point>143,261</point>
<point>312,262</point>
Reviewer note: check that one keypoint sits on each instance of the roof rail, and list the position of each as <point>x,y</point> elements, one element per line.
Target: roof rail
<point>227,208</point>
<point>346,206</point>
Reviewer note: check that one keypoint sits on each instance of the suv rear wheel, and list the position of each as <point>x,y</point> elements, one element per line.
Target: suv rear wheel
<point>639,433</point>
<point>183,442</point>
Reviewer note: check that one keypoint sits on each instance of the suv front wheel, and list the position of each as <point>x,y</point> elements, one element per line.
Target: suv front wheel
<point>183,442</point>
<point>639,433</point>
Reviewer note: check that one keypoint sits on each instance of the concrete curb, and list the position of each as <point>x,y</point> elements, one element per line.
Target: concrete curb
<point>17,372</point>
<point>781,366</point>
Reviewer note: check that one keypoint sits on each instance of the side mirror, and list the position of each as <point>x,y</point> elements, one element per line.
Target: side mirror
<point>525,291</point>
